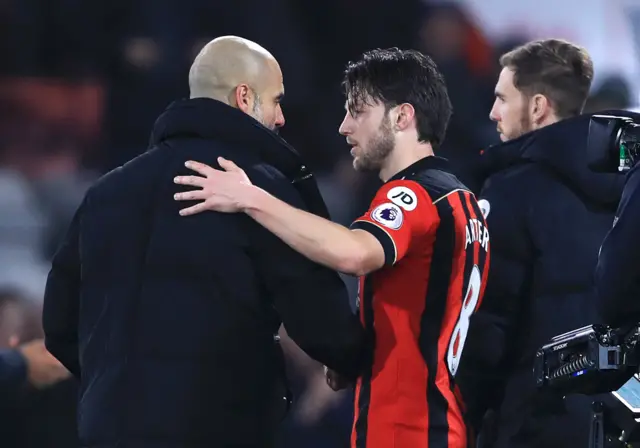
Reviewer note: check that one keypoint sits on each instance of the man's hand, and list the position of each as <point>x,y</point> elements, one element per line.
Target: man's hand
<point>42,368</point>
<point>317,400</point>
<point>222,191</point>
<point>335,381</point>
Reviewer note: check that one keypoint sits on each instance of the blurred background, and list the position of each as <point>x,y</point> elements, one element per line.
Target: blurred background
<point>82,82</point>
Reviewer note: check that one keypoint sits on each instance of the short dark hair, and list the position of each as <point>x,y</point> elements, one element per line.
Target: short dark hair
<point>392,77</point>
<point>555,68</point>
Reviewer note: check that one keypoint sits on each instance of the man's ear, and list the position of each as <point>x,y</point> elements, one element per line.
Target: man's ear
<point>404,115</point>
<point>243,98</point>
<point>539,108</point>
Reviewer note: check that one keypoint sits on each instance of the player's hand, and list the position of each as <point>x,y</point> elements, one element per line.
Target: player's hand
<point>335,381</point>
<point>221,191</point>
<point>42,368</point>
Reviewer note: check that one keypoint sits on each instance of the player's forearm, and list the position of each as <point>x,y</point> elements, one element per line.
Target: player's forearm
<point>316,238</point>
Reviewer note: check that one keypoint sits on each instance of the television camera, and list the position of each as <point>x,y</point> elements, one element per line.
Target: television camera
<point>597,360</point>
<point>613,143</point>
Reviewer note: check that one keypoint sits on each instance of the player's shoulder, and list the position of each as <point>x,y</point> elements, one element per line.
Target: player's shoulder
<point>431,174</point>
<point>422,186</point>
<point>404,193</point>
<point>426,185</point>
<point>437,183</point>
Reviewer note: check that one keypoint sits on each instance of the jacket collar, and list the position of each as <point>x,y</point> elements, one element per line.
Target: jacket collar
<point>213,120</point>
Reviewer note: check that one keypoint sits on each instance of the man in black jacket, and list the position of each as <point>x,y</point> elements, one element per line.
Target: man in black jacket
<point>548,214</point>
<point>170,323</point>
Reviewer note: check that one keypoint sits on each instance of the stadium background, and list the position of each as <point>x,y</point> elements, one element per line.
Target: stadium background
<point>81,83</point>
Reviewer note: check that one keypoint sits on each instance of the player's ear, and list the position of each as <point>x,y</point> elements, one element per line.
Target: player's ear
<point>404,116</point>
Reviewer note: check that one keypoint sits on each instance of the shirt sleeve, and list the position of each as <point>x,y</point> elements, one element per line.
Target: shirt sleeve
<point>401,211</point>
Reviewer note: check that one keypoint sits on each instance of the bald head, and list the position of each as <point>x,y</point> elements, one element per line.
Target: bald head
<point>242,74</point>
<point>225,63</point>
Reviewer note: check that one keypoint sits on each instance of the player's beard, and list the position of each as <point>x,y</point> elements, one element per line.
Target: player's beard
<point>378,149</point>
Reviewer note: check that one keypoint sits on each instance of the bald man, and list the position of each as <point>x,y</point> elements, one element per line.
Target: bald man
<point>250,79</point>
<point>176,346</point>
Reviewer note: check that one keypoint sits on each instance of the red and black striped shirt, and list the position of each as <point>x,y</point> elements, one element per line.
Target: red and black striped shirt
<point>417,308</point>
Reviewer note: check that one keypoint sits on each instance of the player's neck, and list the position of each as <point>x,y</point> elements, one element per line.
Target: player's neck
<point>402,157</point>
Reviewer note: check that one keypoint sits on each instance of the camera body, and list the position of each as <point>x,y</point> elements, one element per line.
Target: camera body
<point>590,360</point>
<point>613,143</point>
<point>597,360</point>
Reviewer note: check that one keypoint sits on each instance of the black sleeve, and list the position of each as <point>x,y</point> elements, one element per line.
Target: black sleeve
<point>62,299</point>
<point>311,299</point>
<point>385,240</point>
<point>13,371</point>
<point>616,277</point>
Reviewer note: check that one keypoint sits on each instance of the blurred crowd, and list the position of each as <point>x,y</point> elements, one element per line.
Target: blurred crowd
<point>81,84</point>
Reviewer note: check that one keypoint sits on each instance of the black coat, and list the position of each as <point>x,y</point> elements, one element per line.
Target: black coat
<point>547,215</point>
<point>169,321</point>
<point>617,279</point>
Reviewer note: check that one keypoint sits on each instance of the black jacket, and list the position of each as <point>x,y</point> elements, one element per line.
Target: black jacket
<point>169,321</point>
<point>617,274</point>
<point>547,214</point>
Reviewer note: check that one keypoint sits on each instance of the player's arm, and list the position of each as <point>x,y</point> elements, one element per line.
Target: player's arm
<point>380,237</point>
<point>350,251</point>
<point>354,252</point>
<point>400,211</point>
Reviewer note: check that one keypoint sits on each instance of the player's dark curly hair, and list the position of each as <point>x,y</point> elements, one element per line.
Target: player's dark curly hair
<point>392,77</point>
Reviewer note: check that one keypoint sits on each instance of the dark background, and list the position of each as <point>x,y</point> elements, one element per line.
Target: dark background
<point>81,83</point>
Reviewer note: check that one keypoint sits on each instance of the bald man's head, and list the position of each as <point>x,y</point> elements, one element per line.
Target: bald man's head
<point>240,73</point>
